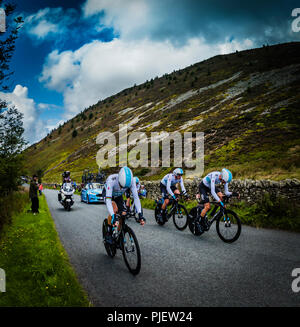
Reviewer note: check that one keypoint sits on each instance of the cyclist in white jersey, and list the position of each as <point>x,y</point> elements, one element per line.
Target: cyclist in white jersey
<point>115,186</point>
<point>168,186</point>
<point>209,185</point>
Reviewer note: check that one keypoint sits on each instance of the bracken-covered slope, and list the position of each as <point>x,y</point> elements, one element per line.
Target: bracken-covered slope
<point>246,103</point>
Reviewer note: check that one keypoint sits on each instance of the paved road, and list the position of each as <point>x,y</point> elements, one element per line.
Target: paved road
<point>179,269</point>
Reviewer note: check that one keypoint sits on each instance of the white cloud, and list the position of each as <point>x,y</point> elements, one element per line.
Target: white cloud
<point>35,128</point>
<point>99,69</point>
<point>124,16</point>
<point>48,22</point>
<point>234,45</point>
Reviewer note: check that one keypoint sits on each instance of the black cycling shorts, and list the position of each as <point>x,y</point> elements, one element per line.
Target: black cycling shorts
<point>164,191</point>
<point>204,191</point>
<point>118,200</point>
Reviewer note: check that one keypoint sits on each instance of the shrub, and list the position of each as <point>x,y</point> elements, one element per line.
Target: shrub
<point>74,134</point>
<point>270,213</point>
<point>10,204</point>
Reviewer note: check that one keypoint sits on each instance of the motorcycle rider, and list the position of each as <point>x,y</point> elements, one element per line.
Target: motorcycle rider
<point>65,179</point>
<point>116,185</point>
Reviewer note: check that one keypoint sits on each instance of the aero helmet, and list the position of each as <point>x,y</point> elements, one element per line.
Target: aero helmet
<point>178,172</point>
<point>125,177</point>
<point>226,175</point>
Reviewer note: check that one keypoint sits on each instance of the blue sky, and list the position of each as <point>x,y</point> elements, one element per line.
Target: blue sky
<point>70,54</point>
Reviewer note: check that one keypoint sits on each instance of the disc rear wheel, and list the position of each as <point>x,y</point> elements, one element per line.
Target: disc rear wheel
<point>194,224</point>
<point>157,212</point>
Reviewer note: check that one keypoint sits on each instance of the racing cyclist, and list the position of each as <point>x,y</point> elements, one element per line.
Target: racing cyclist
<point>209,185</point>
<point>168,187</point>
<point>115,186</point>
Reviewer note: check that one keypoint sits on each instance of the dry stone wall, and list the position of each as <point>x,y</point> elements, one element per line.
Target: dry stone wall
<point>251,191</point>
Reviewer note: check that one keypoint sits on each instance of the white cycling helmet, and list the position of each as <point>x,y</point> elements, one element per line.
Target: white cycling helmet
<point>226,175</point>
<point>136,180</point>
<point>178,172</point>
<point>125,177</point>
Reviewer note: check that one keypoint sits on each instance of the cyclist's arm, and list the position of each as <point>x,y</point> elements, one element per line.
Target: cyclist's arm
<point>183,190</point>
<point>109,189</point>
<point>213,191</point>
<point>136,198</point>
<point>226,190</point>
<point>169,187</point>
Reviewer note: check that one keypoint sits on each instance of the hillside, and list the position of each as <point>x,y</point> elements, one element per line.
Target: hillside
<point>247,104</point>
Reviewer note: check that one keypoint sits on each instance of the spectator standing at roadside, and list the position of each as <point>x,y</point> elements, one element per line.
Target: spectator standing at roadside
<point>33,195</point>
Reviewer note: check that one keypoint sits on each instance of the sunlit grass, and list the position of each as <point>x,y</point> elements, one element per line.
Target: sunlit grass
<point>37,269</point>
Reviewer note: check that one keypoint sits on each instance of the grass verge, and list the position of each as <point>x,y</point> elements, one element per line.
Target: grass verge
<point>38,272</point>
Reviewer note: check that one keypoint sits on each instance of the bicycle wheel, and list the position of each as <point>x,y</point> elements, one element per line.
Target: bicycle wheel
<point>180,217</point>
<point>193,223</point>
<point>156,213</point>
<point>228,226</point>
<point>110,248</point>
<point>131,250</point>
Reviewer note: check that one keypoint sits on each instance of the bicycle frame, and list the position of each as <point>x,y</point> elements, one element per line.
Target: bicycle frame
<point>174,206</point>
<point>120,232</point>
<point>215,213</point>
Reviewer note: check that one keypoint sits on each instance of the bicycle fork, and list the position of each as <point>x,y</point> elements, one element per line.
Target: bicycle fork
<point>126,244</point>
<point>226,220</point>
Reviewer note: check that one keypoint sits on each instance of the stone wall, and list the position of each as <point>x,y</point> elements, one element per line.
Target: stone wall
<point>251,190</point>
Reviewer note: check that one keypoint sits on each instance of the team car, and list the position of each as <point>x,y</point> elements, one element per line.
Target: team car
<point>92,193</point>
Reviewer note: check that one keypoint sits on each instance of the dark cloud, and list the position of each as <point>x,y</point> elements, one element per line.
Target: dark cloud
<point>215,20</point>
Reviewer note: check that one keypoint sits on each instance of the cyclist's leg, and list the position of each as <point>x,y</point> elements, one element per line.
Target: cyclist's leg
<point>109,227</point>
<point>115,207</point>
<point>127,195</point>
<point>121,206</point>
<point>164,194</point>
<point>219,193</point>
<point>204,197</point>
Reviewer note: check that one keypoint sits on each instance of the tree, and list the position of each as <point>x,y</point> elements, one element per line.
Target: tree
<point>11,124</point>
<point>11,146</point>
<point>7,43</point>
<point>74,134</point>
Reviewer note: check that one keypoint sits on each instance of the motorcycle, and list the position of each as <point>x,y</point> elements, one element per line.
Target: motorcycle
<point>65,196</point>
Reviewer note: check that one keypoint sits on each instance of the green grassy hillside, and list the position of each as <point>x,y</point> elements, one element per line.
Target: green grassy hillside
<point>247,104</point>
